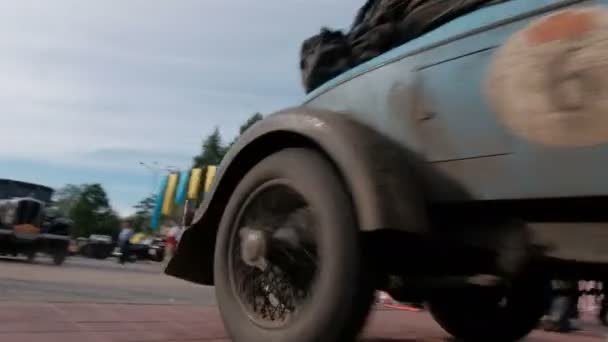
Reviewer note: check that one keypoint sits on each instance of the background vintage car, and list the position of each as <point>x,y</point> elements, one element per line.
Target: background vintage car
<point>27,226</point>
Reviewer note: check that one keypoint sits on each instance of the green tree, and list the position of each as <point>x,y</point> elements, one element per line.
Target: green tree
<point>109,224</point>
<point>92,213</point>
<point>212,150</point>
<point>252,119</point>
<point>143,214</point>
<point>66,198</point>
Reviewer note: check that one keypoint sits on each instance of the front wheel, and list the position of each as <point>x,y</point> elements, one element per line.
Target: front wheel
<point>288,260</point>
<point>502,314</point>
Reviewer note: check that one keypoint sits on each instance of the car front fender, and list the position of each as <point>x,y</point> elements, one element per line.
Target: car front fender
<point>386,181</point>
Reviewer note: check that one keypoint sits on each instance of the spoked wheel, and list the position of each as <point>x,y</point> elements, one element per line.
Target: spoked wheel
<point>273,264</point>
<point>288,260</point>
<point>505,313</point>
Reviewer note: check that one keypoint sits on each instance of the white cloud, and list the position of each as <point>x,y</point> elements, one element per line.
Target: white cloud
<point>104,84</point>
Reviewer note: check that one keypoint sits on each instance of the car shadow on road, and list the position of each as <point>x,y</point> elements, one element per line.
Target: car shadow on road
<point>387,340</point>
<point>21,260</point>
<point>399,340</point>
<point>12,259</point>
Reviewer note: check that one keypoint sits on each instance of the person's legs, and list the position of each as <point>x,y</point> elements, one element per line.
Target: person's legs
<point>563,307</point>
<point>124,252</point>
<point>127,251</point>
<point>573,312</point>
<point>169,251</point>
<point>603,314</point>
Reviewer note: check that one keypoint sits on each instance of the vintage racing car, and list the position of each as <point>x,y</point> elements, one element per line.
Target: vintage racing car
<point>464,168</point>
<point>28,226</point>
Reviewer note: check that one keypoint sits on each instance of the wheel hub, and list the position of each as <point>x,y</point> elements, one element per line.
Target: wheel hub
<point>274,255</point>
<point>254,247</point>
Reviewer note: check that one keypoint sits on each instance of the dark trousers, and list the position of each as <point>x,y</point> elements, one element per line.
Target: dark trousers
<point>125,251</point>
<point>564,305</point>
<point>603,314</point>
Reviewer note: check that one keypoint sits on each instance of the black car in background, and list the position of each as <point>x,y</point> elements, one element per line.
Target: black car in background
<point>152,248</point>
<point>149,249</point>
<point>96,246</point>
<point>27,225</point>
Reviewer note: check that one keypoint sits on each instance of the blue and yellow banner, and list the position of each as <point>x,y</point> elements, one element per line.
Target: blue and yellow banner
<point>170,193</point>
<point>211,170</point>
<point>195,183</point>
<point>176,188</point>
<point>156,214</point>
<point>182,188</point>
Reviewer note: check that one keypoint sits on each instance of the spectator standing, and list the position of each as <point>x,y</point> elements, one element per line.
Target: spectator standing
<point>124,243</point>
<point>603,313</point>
<point>564,306</point>
<point>172,239</point>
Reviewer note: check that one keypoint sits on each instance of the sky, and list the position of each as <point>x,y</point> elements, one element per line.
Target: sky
<point>89,89</point>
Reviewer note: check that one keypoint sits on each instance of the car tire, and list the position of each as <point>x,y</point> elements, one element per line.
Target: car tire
<point>86,251</point>
<point>342,291</point>
<point>59,257</point>
<point>491,314</point>
<point>31,256</point>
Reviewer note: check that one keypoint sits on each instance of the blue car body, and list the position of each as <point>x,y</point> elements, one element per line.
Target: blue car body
<point>432,100</point>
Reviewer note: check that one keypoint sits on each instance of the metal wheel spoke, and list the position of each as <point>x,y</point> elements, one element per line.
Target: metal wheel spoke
<point>272,293</point>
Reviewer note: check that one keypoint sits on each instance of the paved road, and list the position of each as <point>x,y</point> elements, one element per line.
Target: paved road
<point>92,300</point>
<point>97,281</point>
<point>74,322</point>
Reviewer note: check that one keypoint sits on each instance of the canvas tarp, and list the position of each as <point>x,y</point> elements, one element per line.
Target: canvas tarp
<point>379,26</point>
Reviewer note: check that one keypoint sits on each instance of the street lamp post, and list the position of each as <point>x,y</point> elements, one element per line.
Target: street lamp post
<point>156,169</point>
<point>155,173</point>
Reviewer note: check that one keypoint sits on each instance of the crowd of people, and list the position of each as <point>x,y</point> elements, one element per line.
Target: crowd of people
<point>570,299</point>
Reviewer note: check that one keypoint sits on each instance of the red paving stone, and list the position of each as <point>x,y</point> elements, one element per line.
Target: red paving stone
<point>177,323</point>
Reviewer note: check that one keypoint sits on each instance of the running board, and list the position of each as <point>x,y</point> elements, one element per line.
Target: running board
<point>484,280</point>
<point>575,242</point>
<point>517,243</point>
<point>420,287</point>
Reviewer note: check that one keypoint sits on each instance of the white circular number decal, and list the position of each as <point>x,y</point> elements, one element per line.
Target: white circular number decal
<point>549,82</point>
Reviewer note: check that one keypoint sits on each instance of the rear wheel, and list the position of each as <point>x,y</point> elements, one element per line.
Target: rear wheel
<point>59,257</point>
<point>31,256</point>
<point>288,263</point>
<point>491,314</point>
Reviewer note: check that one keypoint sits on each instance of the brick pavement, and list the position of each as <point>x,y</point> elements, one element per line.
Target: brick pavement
<point>107,323</point>
<point>69,322</point>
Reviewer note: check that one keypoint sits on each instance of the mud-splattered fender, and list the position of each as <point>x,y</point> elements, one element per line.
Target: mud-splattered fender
<point>384,179</point>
